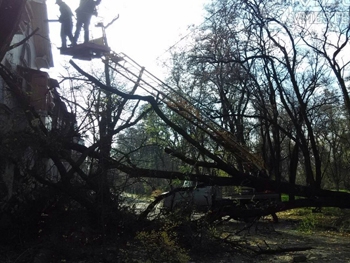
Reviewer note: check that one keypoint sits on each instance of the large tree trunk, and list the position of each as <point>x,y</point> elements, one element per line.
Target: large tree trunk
<point>320,197</point>
<point>293,168</point>
<point>10,17</point>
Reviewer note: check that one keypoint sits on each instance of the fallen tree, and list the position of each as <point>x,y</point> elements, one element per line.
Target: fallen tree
<point>313,196</point>
<point>326,197</point>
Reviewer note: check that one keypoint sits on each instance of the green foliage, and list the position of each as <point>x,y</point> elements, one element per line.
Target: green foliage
<point>308,223</point>
<point>343,222</point>
<point>327,218</point>
<point>285,197</point>
<point>194,233</point>
<point>173,239</point>
<point>157,246</point>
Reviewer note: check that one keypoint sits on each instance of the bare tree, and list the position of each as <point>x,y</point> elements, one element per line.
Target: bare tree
<point>248,89</point>
<point>283,80</point>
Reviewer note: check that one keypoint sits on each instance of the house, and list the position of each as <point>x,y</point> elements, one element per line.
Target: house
<point>34,54</point>
<point>27,63</point>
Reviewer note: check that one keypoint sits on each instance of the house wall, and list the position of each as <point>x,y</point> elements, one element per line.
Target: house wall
<point>34,54</point>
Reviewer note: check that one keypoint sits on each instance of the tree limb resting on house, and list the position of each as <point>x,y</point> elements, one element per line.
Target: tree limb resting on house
<point>24,40</point>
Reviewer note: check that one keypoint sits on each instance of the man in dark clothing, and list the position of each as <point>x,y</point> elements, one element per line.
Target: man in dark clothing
<point>84,12</point>
<point>66,23</point>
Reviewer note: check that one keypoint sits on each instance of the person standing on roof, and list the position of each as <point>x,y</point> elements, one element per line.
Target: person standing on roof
<point>66,23</point>
<point>86,9</point>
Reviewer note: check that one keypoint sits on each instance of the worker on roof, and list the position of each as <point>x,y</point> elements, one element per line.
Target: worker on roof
<point>66,23</point>
<point>86,9</point>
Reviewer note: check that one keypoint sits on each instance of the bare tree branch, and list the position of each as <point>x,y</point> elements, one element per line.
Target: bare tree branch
<point>24,40</point>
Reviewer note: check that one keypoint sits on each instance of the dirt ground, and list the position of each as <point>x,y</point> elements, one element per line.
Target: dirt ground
<point>284,242</point>
<point>261,241</point>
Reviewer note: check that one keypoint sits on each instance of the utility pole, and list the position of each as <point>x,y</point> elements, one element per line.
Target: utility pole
<point>104,36</point>
<point>106,133</point>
